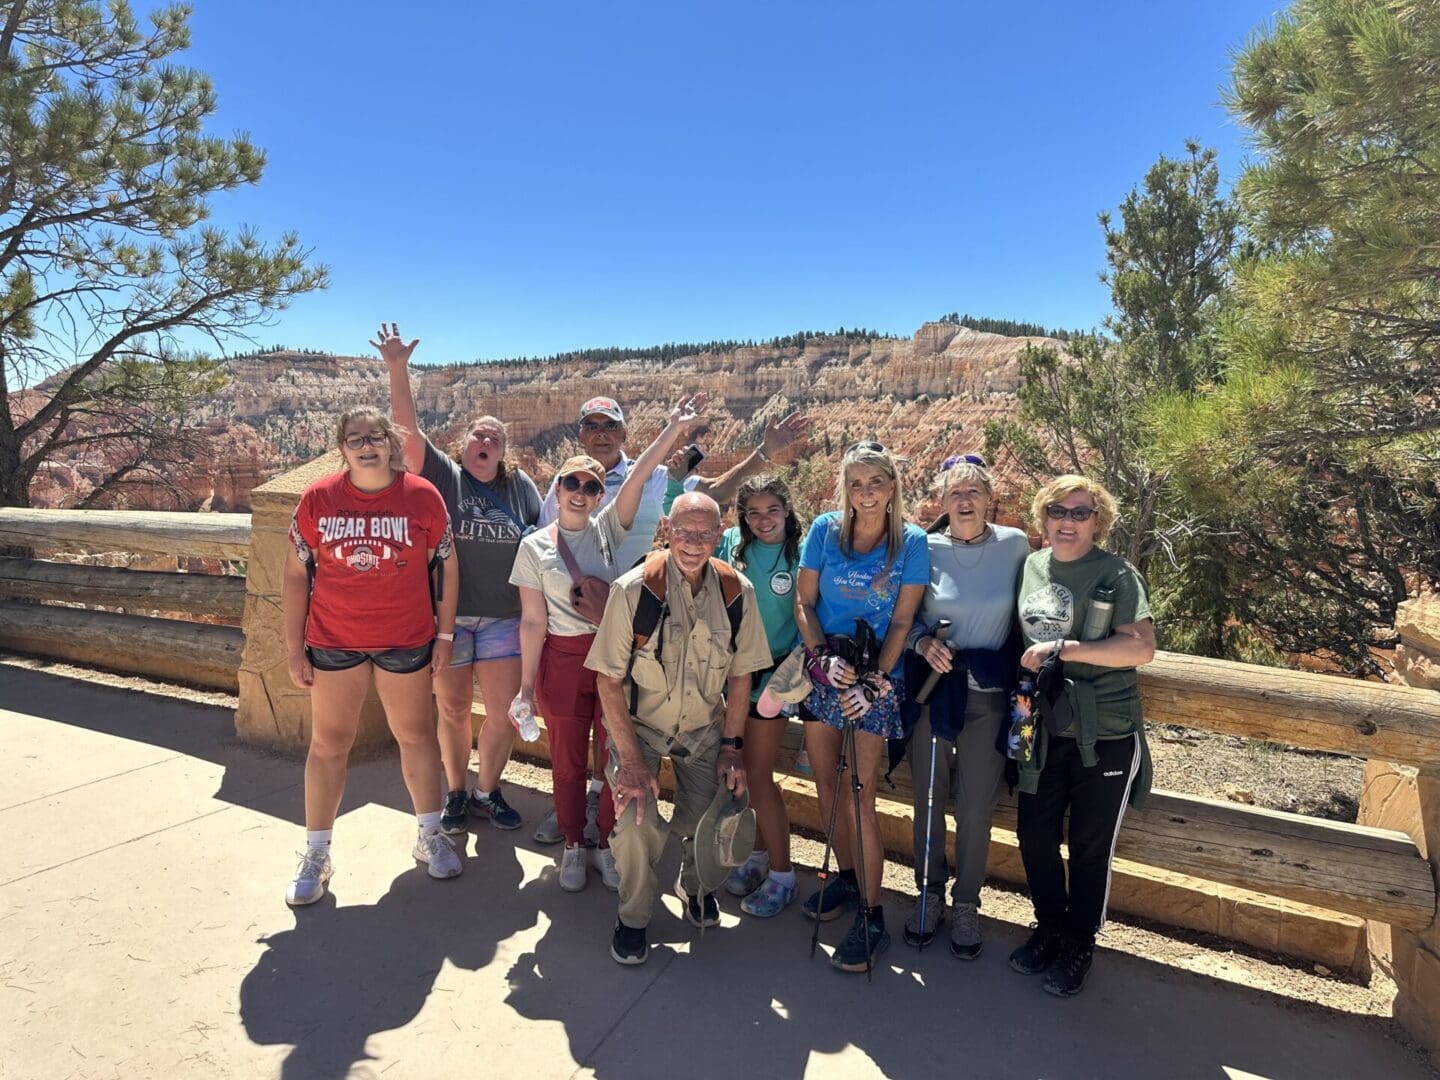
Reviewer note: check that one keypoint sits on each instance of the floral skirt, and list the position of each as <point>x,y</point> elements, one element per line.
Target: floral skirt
<point>882,719</point>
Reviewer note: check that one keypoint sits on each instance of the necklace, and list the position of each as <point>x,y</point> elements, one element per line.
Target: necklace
<point>978,542</point>
<point>984,535</point>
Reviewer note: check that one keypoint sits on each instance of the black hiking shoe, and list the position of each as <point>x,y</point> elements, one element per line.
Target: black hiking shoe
<point>1037,954</point>
<point>835,896</point>
<point>454,819</point>
<point>1066,976</point>
<point>700,911</point>
<point>628,946</point>
<point>850,956</point>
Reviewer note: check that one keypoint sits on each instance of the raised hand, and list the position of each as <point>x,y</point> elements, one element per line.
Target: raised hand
<point>780,435</point>
<point>688,409</point>
<point>393,349</point>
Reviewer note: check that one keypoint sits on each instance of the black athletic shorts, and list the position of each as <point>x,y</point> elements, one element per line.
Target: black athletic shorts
<point>395,661</point>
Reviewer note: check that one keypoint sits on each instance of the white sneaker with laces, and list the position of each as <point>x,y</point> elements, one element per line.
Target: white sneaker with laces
<point>311,876</point>
<point>437,850</point>
<point>604,861</point>
<point>548,831</point>
<point>572,869</point>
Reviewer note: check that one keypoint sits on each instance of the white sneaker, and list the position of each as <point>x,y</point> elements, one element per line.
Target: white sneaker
<point>311,877</point>
<point>604,861</point>
<point>438,851</point>
<point>548,831</point>
<point>572,869</point>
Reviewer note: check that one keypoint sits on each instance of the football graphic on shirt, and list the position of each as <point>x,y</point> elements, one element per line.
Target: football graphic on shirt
<point>362,558</point>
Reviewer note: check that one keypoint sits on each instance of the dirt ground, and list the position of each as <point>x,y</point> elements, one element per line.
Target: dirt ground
<point>1189,761</point>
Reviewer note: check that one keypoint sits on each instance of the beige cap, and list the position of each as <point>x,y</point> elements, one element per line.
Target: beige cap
<point>582,463</point>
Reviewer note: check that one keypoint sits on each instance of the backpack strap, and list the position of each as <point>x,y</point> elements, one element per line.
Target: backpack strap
<point>731,592</point>
<point>651,608</point>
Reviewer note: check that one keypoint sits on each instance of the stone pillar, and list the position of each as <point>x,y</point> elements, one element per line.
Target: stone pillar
<point>273,712</point>
<point>1402,797</point>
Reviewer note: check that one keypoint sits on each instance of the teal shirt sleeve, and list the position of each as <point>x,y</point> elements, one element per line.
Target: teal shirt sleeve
<point>673,490</point>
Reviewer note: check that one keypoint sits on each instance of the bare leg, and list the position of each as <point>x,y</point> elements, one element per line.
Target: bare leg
<point>454,693</point>
<point>499,682</point>
<point>407,708</point>
<point>869,749</point>
<point>762,742</point>
<point>822,742</point>
<point>335,702</point>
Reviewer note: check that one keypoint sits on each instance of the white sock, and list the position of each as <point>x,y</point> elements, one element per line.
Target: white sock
<point>597,785</point>
<point>318,839</point>
<point>783,877</point>
<point>429,823</point>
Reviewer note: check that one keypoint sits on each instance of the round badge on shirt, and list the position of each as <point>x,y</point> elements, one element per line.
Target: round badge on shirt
<point>781,582</point>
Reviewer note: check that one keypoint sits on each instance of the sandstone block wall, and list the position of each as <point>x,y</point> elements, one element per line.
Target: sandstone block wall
<point>1400,797</point>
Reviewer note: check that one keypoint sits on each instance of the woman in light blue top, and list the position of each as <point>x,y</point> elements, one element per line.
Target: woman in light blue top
<point>860,563</point>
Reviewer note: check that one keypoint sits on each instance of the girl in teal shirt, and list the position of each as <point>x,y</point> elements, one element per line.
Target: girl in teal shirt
<point>765,547</point>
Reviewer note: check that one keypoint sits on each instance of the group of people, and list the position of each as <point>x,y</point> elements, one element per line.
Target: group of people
<point>955,646</point>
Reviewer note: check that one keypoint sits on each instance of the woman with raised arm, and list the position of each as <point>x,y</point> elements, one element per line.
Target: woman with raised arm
<point>860,562</point>
<point>966,629</point>
<point>563,572</point>
<point>492,505</point>
<point>358,598</point>
<point>1086,620</point>
<point>765,547</point>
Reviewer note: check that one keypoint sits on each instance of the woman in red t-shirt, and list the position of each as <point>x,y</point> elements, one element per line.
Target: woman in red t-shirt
<point>357,596</point>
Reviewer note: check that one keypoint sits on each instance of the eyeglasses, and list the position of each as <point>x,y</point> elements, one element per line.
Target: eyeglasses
<point>600,425</point>
<point>955,459</point>
<point>590,488</point>
<point>359,442</point>
<point>694,536</point>
<point>873,447</point>
<point>1056,512</point>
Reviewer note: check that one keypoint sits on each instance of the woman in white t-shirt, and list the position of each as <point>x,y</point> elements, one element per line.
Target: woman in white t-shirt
<point>557,625</point>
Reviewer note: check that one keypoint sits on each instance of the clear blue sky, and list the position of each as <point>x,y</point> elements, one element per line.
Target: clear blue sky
<point>523,178</point>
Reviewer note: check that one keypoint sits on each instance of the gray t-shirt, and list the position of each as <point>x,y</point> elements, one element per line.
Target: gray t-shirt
<point>538,565</point>
<point>974,586</point>
<point>486,537</point>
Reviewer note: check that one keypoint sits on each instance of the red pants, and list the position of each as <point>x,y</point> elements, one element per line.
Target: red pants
<point>565,691</point>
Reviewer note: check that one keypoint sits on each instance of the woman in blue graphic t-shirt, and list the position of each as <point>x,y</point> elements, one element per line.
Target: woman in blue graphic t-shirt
<point>862,561</point>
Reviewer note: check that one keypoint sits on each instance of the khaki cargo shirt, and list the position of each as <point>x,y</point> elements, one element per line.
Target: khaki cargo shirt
<point>683,690</point>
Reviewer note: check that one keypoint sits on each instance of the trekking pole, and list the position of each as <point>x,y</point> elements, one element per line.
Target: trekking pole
<point>848,739</point>
<point>942,631</point>
<point>829,839</point>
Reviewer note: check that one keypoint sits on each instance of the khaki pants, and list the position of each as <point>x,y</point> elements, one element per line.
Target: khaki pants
<point>637,848</point>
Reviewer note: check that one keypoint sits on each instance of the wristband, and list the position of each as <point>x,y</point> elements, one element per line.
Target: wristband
<point>760,451</point>
<point>446,637</point>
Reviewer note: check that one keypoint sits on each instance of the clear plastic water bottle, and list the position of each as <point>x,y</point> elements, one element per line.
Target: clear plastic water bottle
<point>523,718</point>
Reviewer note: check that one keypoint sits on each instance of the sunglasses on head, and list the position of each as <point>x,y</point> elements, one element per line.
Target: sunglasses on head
<point>358,442</point>
<point>1056,512</point>
<point>873,447</point>
<point>573,483</point>
<point>955,459</point>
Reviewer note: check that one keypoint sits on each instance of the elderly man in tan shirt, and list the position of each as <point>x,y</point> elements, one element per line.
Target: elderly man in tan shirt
<point>692,692</point>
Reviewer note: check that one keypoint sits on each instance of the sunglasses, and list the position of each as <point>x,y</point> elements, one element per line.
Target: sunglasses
<point>955,459</point>
<point>873,447</point>
<point>359,442</point>
<point>1056,512</point>
<point>590,488</point>
<point>600,425</point>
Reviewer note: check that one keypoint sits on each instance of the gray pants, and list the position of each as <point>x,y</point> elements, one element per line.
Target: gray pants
<point>970,769</point>
<point>637,848</point>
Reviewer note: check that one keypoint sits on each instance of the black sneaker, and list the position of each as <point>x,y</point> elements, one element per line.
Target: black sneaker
<point>850,956</point>
<point>837,896</point>
<point>699,910</point>
<point>1066,976</point>
<point>493,806</point>
<point>628,946</point>
<point>454,819</point>
<point>1037,954</point>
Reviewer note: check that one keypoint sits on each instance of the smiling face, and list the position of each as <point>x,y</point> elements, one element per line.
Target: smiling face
<point>365,446</point>
<point>967,502</point>
<point>693,533</point>
<point>867,491</point>
<point>765,515</point>
<point>602,437</point>
<point>575,507</point>
<point>1071,539</point>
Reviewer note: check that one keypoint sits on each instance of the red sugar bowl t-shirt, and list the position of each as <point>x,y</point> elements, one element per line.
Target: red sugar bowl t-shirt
<point>370,549</point>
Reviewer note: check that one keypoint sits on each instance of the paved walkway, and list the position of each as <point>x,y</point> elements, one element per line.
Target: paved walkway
<point>142,934</point>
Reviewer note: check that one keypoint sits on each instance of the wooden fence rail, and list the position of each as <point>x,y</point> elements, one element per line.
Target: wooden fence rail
<point>109,586</point>
<point>212,536</point>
